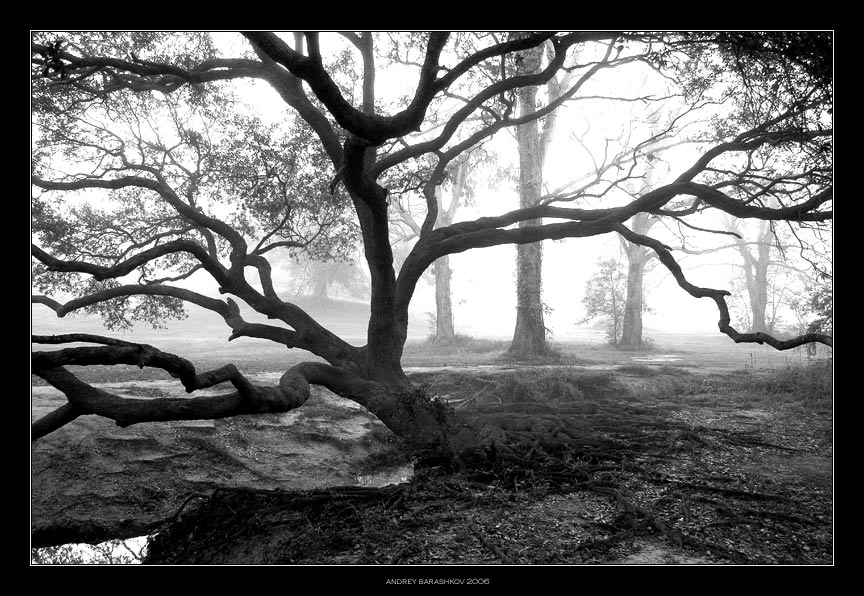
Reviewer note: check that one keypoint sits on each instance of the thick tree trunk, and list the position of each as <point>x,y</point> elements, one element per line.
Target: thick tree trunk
<point>382,386</point>
<point>638,258</point>
<point>444,331</point>
<point>529,337</point>
<point>631,330</point>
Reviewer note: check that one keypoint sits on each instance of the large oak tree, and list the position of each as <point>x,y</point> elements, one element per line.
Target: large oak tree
<point>146,123</point>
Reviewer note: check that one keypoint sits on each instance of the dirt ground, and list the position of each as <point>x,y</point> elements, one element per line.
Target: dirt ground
<point>640,464</point>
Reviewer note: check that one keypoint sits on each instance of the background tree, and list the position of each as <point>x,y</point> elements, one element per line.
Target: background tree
<point>769,279</point>
<point>821,303</point>
<point>814,308</point>
<point>458,189</point>
<point>606,298</point>
<point>211,201</point>
<point>529,335</point>
<point>638,258</point>
<point>326,280</point>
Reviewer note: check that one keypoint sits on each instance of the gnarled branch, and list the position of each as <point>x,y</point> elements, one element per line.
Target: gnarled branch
<point>719,297</point>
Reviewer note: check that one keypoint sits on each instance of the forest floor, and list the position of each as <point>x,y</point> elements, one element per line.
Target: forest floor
<point>603,457</point>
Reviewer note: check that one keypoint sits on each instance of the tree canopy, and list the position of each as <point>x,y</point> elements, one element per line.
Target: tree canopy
<point>149,167</point>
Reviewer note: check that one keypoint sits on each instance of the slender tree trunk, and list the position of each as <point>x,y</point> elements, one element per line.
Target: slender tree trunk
<point>320,289</point>
<point>759,296</point>
<point>444,331</point>
<point>529,337</point>
<point>756,276</point>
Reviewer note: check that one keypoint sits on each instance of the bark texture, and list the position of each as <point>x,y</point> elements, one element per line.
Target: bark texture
<point>529,336</point>
<point>638,258</point>
<point>756,277</point>
<point>444,330</point>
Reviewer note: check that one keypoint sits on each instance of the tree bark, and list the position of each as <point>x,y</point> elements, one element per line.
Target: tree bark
<point>638,258</point>
<point>631,329</point>
<point>529,336</point>
<point>756,275</point>
<point>444,331</point>
<point>320,289</point>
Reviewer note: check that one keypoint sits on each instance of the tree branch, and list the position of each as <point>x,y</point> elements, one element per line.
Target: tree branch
<point>101,273</point>
<point>371,127</point>
<point>719,297</point>
<point>165,191</point>
<point>291,392</point>
<point>477,101</point>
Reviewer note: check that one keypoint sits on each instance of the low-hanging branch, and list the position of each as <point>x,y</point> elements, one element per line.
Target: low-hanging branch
<point>291,392</point>
<point>719,297</point>
<point>84,399</point>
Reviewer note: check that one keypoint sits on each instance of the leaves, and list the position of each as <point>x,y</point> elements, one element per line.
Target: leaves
<point>605,296</point>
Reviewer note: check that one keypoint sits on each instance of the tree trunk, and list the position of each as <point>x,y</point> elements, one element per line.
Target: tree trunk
<point>759,293</point>
<point>444,331</point>
<point>529,337</point>
<point>320,290</point>
<point>756,275</point>
<point>631,330</point>
<point>382,386</point>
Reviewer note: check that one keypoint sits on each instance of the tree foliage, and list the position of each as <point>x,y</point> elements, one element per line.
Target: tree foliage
<point>605,297</point>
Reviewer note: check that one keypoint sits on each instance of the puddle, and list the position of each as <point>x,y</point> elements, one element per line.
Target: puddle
<point>113,552</point>
<point>657,358</point>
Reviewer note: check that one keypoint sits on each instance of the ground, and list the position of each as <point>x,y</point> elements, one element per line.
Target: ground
<point>667,457</point>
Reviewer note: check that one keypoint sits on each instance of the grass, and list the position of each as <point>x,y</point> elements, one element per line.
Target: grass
<point>810,386</point>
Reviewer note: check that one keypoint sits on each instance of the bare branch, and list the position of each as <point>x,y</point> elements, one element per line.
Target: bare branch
<point>101,272</point>
<point>291,393</point>
<point>719,297</point>
<point>165,191</point>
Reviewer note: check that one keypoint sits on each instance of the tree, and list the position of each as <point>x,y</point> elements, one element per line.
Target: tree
<point>638,258</point>
<point>206,194</point>
<point>460,191</point>
<point>323,280</point>
<point>529,335</point>
<point>821,303</point>
<point>814,308</point>
<point>605,297</point>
